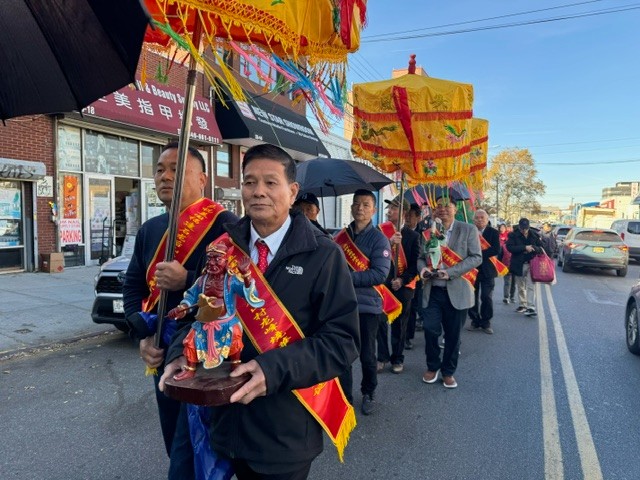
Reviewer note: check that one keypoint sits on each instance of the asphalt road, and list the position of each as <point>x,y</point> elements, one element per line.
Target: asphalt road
<point>553,398</point>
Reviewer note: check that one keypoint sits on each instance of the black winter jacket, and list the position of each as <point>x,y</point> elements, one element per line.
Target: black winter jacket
<point>516,244</point>
<point>375,246</point>
<point>486,268</point>
<point>275,431</point>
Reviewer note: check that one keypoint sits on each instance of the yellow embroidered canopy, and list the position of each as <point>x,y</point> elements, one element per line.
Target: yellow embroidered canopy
<point>419,124</point>
<point>294,45</point>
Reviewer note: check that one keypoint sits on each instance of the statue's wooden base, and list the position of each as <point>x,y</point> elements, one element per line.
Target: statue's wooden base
<point>209,388</point>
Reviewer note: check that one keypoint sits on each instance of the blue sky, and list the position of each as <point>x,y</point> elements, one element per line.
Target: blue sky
<point>569,90</point>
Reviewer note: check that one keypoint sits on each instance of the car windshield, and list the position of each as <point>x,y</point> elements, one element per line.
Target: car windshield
<point>634,227</point>
<point>597,236</point>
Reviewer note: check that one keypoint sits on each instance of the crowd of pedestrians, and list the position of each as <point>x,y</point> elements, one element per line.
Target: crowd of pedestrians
<point>310,305</point>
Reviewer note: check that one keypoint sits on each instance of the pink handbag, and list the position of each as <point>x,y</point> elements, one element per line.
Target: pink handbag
<point>542,269</point>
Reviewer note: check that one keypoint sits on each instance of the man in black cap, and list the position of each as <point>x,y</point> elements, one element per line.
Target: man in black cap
<point>309,205</point>
<point>524,244</point>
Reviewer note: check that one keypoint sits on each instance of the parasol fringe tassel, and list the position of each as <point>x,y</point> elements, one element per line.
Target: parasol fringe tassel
<point>150,371</point>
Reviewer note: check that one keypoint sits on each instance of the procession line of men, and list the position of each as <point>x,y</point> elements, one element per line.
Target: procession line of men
<point>338,295</point>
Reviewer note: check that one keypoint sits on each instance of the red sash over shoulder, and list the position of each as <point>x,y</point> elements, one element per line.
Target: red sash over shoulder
<point>193,224</point>
<point>359,262</point>
<point>501,268</point>
<point>272,326</point>
<point>388,229</point>
<point>451,258</point>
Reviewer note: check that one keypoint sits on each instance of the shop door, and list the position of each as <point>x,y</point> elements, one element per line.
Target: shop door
<point>99,219</point>
<point>12,253</point>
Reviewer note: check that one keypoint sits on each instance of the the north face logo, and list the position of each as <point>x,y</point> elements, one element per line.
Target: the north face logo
<point>295,270</point>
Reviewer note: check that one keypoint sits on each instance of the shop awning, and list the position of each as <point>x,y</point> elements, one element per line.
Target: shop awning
<point>261,121</point>
<point>12,169</point>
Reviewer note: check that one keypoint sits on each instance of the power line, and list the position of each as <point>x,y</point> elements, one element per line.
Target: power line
<point>368,37</point>
<point>507,25</point>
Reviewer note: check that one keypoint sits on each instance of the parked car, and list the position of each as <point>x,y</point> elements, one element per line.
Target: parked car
<point>108,306</point>
<point>599,248</point>
<point>559,232</point>
<point>631,320</point>
<point>629,231</point>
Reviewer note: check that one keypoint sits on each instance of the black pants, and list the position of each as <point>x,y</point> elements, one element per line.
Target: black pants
<point>481,316</point>
<point>441,316</point>
<point>168,410</point>
<point>368,332</point>
<point>398,330</point>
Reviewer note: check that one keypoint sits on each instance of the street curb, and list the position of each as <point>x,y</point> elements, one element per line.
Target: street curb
<point>23,351</point>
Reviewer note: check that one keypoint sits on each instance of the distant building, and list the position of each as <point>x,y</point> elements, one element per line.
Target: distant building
<point>621,197</point>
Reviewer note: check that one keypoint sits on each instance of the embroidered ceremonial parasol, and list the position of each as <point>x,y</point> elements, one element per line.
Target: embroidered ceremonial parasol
<point>417,124</point>
<point>298,46</point>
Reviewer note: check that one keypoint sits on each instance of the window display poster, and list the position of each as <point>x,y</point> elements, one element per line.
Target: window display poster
<point>70,231</point>
<point>154,206</point>
<point>69,148</point>
<point>71,196</point>
<point>10,200</point>
<point>110,154</point>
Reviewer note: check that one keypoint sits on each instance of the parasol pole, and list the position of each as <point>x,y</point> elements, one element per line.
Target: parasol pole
<point>399,225</point>
<point>183,144</point>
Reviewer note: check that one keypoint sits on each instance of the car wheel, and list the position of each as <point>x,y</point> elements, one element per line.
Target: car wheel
<point>622,272</point>
<point>565,266</point>
<point>631,326</point>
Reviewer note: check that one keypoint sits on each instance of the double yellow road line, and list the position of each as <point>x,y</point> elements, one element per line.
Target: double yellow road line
<point>553,464</point>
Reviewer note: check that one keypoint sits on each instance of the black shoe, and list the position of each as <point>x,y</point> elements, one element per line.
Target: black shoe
<point>521,309</point>
<point>530,312</point>
<point>505,300</point>
<point>368,405</point>
<point>408,345</point>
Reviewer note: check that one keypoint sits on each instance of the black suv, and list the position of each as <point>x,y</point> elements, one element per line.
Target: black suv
<point>107,305</point>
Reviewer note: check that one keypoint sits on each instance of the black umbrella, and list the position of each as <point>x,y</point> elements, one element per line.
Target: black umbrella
<point>62,55</point>
<point>331,177</point>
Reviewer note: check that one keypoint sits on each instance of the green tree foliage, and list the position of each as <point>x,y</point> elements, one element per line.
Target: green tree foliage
<point>513,175</point>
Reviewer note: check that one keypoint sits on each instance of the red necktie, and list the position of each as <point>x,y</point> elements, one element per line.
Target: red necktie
<point>263,252</point>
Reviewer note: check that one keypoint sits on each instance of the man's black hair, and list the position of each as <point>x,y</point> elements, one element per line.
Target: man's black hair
<point>271,152</point>
<point>363,192</point>
<point>194,152</point>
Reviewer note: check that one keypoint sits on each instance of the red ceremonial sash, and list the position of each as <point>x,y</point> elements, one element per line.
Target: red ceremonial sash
<point>501,268</point>
<point>359,262</point>
<point>272,326</point>
<point>193,223</point>
<point>451,258</point>
<point>388,229</point>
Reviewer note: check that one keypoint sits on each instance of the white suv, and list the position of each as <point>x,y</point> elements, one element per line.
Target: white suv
<point>629,231</point>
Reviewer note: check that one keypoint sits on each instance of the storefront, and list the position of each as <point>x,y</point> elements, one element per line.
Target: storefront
<point>18,228</point>
<point>105,165</point>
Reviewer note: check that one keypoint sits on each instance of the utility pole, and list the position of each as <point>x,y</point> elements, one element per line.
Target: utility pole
<point>497,201</point>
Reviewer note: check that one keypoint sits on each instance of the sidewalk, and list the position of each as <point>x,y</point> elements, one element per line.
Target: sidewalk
<point>38,309</point>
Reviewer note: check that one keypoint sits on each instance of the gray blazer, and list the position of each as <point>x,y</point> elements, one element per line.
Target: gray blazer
<point>465,242</point>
